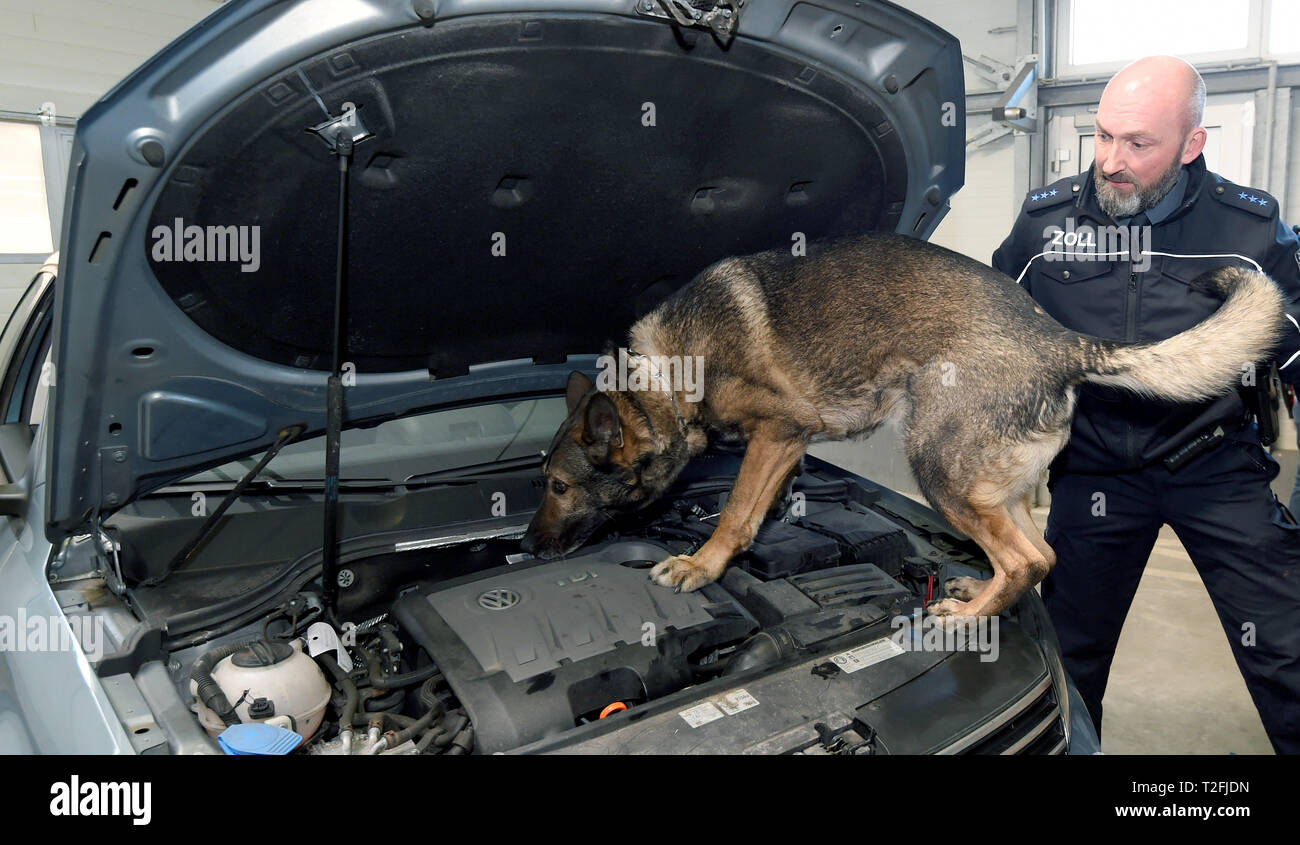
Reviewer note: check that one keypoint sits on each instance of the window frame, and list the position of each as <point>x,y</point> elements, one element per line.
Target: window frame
<point>26,335</point>
<point>1291,58</point>
<point>1254,51</point>
<point>24,344</point>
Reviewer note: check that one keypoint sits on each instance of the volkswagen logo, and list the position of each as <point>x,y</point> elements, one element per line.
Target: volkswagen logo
<point>499,599</point>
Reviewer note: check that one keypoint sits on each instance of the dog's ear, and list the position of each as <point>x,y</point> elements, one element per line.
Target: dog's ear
<point>577,388</point>
<point>604,432</point>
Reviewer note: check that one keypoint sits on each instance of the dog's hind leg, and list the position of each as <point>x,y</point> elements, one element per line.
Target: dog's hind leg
<point>967,589</point>
<point>1017,564</point>
<point>1019,510</point>
<point>975,503</point>
<point>964,588</point>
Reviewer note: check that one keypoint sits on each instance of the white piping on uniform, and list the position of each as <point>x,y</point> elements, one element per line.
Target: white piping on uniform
<point>1167,255</point>
<point>1207,255</point>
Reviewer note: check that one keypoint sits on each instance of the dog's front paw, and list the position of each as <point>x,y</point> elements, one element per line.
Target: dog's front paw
<point>948,607</point>
<point>683,573</point>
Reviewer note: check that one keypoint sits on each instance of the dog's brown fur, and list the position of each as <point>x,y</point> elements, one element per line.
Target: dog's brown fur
<point>830,346</point>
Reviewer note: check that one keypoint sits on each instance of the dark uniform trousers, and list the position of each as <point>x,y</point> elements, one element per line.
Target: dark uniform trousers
<point>1247,554</point>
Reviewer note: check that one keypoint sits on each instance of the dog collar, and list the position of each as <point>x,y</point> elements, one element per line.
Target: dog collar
<point>666,385</point>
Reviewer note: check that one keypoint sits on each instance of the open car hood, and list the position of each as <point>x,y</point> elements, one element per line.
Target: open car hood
<point>537,174</point>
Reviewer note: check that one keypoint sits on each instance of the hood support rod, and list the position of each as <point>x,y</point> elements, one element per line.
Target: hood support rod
<point>334,391</point>
<point>341,134</point>
<point>187,552</point>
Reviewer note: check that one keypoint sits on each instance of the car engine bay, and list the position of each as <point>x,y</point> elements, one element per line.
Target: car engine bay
<point>459,643</point>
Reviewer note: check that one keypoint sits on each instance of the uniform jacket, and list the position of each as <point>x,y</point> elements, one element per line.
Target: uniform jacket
<point>1145,298</point>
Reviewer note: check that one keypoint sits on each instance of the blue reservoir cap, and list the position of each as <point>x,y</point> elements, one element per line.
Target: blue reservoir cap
<point>258,738</point>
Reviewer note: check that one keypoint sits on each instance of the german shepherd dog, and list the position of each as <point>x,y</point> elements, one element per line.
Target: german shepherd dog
<point>803,349</point>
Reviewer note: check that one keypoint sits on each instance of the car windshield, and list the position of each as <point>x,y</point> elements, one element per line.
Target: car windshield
<point>396,450</point>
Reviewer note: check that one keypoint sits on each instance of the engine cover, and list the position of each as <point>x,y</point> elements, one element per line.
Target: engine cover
<point>532,650</point>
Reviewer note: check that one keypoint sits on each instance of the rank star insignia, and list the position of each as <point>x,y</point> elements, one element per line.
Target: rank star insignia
<point>1052,192</point>
<point>1243,195</point>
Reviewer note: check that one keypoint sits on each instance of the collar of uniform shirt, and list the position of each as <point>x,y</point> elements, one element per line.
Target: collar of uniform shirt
<point>1166,206</point>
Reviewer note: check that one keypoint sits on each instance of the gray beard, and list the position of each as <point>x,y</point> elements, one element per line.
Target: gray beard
<point>1119,205</point>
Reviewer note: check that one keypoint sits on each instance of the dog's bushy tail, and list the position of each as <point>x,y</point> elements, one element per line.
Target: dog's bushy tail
<point>1206,360</point>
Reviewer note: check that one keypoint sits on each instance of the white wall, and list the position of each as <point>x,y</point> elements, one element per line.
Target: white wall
<point>71,52</point>
<point>970,22</point>
<point>982,211</point>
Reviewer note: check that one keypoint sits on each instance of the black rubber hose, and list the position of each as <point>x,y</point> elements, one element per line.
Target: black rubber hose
<point>343,681</point>
<point>452,722</point>
<point>406,726</point>
<point>463,742</point>
<point>378,681</point>
<point>451,732</point>
<point>209,691</point>
<point>428,695</point>
<point>388,702</point>
<point>421,724</point>
<point>387,721</point>
<point>425,741</point>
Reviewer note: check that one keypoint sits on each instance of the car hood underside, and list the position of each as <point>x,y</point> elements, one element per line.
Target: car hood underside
<point>524,185</point>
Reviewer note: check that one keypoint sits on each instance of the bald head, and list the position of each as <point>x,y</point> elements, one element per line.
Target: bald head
<point>1148,127</point>
<point>1166,87</point>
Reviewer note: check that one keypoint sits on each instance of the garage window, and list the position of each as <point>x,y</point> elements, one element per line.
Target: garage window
<point>1284,33</point>
<point>25,233</point>
<point>1100,36</point>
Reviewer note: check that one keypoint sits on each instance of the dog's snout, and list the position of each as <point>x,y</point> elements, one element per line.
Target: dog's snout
<point>529,543</point>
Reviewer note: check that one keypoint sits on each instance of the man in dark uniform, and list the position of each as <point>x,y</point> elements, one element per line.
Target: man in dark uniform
<point>1131,464</point>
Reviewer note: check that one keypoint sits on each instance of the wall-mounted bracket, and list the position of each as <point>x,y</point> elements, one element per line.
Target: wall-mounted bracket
<point>1016,110</point>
